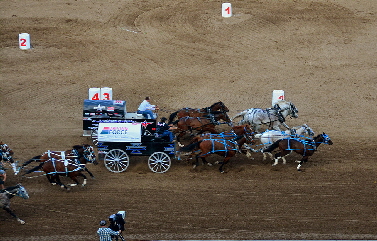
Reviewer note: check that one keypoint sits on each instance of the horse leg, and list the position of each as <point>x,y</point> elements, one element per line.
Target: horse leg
<point>91,174</point>
<point>277,157</point>
<point>225,161</point>
<point>50,179</point>
<point>204,161</point>
<point>74,178</point>
<point>265,155</point>
<point>304,159</point>
<point>57,180</point>
<point>182,133</point>
<point>13,214</point>
<point>14,166</point>
<point>257,128</point>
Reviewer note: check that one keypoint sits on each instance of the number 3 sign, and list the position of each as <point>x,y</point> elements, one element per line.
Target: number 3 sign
<point>24,41</point>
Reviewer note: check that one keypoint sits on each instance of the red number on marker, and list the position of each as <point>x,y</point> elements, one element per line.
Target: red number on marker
<point>227,10</point>
<point>106,96</point>
<point>95,97</point>
<point>23,42</point>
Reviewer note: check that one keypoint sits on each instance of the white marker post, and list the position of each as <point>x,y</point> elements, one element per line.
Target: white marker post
<point>24,40</point>
<point>106,93</point>
<point>226,10</point>
<point>94,93</point>
<point>276,96</point>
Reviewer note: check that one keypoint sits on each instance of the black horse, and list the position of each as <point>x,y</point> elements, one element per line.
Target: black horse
<point>9,192</point>
<point>303,147</point>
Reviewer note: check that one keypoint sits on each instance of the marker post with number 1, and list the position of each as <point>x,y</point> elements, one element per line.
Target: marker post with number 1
<point>227,10</point>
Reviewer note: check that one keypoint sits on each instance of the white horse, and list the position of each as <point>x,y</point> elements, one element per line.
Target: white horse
<point>270,136</point>
<point>273,117</point>
<point>9,192</point>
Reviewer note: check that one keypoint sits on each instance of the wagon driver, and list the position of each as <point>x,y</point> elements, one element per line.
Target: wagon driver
<point>146,108</point>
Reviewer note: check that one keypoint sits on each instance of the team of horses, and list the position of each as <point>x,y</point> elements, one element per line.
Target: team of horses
<point>299,139</point>
<point>207,140</point>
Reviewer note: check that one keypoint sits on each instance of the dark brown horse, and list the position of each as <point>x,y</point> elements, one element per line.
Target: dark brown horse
<point>218,106</point>
<point>305,148</point>
<point>81,154</point>
<point>203,124</point>
<point>54,168</point>
<point>226,145</point>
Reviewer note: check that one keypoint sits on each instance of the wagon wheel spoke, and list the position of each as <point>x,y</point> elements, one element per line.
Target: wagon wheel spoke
<point>159,162</point>
<point>116,160</point>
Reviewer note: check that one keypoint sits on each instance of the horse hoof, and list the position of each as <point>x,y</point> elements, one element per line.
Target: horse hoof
<point>73,185</point>
<point>21,221</point>
<point>53,183</point>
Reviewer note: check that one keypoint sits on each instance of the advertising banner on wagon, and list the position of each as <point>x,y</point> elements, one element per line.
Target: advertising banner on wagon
<point>119,132</point>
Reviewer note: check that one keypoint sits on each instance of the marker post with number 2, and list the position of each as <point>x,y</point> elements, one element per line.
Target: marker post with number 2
<point>24,41</point>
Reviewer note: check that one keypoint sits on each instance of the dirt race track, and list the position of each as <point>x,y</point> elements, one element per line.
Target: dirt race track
<point>322,53</point>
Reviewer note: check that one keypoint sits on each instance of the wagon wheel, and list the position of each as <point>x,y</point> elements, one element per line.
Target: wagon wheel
<point>159,162</point>
<point>116,160</point>
<point>94,136</point>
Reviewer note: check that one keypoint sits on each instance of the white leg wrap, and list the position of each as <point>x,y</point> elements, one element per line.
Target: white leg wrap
<point>14,168</point>
<point>284,161</point>
<point>276,161</point>
<point>21,221</point>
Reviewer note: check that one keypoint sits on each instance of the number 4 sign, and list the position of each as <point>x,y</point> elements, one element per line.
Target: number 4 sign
<point>226,10</point>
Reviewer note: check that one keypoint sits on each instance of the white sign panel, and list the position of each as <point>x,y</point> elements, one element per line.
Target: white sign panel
<point>119,132</point>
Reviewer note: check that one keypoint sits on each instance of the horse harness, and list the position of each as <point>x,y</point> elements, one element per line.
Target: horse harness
<point>232,143</point>
<point>305,143</point>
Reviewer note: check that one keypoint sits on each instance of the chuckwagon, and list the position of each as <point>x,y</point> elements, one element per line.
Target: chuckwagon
<point>119,134</point>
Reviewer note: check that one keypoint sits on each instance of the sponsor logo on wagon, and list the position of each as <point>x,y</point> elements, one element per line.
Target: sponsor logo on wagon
<point>119,132</point>
<point>114,130</point>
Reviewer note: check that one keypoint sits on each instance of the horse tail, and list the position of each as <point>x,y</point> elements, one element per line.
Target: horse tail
<point>273,146</point>
<point>172,116</point>
<point>190,147</point>
<point>239,114</point>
